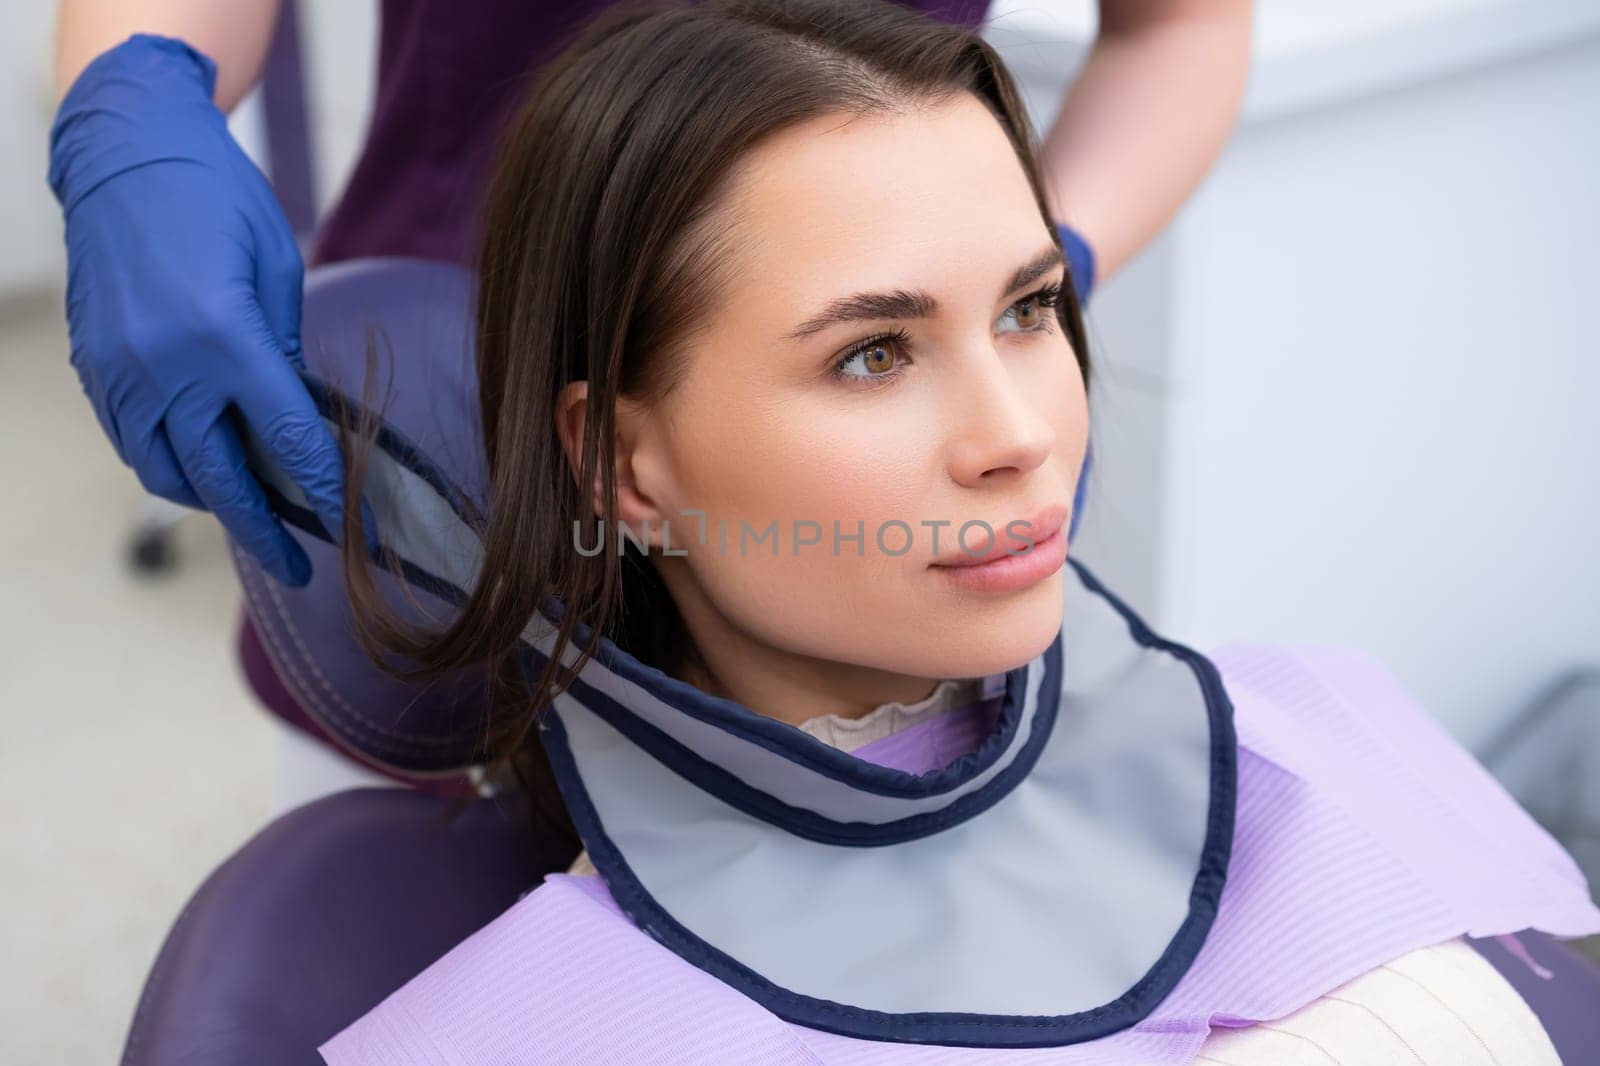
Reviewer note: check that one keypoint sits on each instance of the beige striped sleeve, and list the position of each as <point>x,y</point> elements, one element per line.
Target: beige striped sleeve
<point>1442,1005</point>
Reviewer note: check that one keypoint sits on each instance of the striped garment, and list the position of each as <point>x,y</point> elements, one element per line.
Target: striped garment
<point>1443,1005</point>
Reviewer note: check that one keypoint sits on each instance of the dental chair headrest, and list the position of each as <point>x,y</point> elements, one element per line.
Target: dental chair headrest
<point>425,480</point>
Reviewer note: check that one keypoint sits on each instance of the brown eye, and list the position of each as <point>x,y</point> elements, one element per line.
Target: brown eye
<point>1029,312</point>
<point>876,356</point>
<point>1032,313</point>
<point>877,359</point>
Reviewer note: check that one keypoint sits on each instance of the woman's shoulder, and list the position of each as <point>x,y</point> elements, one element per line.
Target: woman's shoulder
<point>1318,685</point>
<point>535,984</point>
<point>1339,720</point>
<point>1436,1006</point>
<point>1332,733</point>
<point>1317,709</point>
<point>517,967</point>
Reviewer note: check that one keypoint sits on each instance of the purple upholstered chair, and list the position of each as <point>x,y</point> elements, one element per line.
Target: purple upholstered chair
<point>339,902</point>
<point>336,903</point>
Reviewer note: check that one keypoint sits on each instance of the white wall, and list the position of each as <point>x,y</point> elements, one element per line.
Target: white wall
<point>31,254</point>
<point>341,52</point>
<point>1350,396</point>
<point>1387,385</point>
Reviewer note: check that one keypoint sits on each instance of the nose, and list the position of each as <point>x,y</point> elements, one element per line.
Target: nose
<point>1000,431</point>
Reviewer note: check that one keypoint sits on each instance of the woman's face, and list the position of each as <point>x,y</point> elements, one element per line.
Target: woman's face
<point>977,415</point>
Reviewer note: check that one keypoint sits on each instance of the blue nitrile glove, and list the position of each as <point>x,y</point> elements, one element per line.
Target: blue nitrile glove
<point>183,295</point>
<point>1080,268</point>
<point>1080,260</point>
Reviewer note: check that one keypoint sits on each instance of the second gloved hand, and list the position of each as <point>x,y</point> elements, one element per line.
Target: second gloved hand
<point>1081,271</point>
<point>183,295</point>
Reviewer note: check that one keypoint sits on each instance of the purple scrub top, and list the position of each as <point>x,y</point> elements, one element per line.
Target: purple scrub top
<point>446,84</point>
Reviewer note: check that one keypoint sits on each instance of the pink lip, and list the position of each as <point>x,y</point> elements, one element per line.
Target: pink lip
<point>1010,573</point>
<point>1041,527</point>
<point>1012,563</point>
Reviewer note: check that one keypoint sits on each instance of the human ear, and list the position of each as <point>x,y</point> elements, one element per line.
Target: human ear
<point>634,505</point>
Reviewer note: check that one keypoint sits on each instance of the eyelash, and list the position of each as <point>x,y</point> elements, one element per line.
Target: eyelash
<point>1047,297</point>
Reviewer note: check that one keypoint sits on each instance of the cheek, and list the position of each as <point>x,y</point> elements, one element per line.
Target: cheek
<point>1069,411</point>
<point>765,470</point>
<point>784,467</point>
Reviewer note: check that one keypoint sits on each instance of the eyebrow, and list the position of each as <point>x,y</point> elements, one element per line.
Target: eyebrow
<point>913,303</point>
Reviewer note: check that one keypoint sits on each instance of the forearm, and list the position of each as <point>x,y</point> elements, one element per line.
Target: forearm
<point>234,33</point>
<point>1145,119</point>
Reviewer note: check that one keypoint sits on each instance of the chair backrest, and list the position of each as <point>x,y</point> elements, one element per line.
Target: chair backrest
<point>321,915</point>
<point>415,318</point>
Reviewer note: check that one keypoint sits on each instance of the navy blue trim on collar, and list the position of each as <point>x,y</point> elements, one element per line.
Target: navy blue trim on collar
<point>312,525</point>
<point>810,825</point>
<point>801,748</point>
<point>953,1028</point>
<point>397,447</point>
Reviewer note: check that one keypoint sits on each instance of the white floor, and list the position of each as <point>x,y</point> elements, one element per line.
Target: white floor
<point>132,759</point>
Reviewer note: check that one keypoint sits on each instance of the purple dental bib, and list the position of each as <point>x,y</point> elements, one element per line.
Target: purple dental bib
<point>1359,836</point>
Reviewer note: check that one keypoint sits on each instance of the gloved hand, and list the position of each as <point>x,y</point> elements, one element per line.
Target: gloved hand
<point>1080,260</point>
<point>183,295</point>
<point>1080,269</point>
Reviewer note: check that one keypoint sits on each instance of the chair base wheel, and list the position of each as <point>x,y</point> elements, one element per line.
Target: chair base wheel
<point>152,552</point>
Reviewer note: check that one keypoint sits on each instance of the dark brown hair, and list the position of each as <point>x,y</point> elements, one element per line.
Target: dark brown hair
<point>603,251</point>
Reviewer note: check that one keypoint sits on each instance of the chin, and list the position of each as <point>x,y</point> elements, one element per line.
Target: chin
<point>977,644</point>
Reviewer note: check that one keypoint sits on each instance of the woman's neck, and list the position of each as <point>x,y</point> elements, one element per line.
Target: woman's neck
<point>844,690</point>
<point>724,660</point>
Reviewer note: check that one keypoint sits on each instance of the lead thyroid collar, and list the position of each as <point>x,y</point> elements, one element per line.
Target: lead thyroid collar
<point>1051,886</point>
